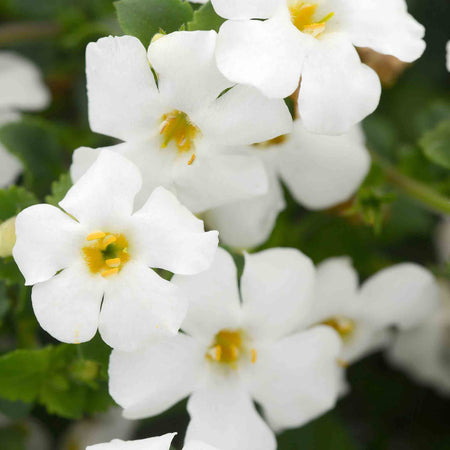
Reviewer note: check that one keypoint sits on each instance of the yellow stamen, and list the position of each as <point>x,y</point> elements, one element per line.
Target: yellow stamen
<point>95,235</point>
<point>192,159</point>
<point>108,240</point>
<point>302,16</point>
<point>343,325</point>
<point>114,262</point>
<point>108,273</point>
<point>176,126</point>
<point>254,355</point>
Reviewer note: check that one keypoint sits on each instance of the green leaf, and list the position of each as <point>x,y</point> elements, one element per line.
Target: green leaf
<point>436,144</point>
<point>9,272</point>
<point>13,438</point>
<point>14,410</point>
<point>205,18</point>
<point>13,200</point>
<point>37,144</point>
<point>145,18</point>
<point>59,189</point>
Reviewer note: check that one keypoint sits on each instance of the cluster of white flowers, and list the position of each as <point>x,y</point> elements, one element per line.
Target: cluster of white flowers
<point>204,130</point>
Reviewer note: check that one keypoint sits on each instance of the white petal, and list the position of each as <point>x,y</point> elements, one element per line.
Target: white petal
<point>401,295</point>
<point>197,445</point>
<point>139,305</point>
<point>268,55</point>
<point>336,289</point>
<point>323,171</point>
<point>297,378</point>
<point>103,197</point>
<point>149,381</point>
<point>67,306</point>
<point>169,236</point>
<point>155,443</point>
<point>10,167</point>
<point>213,296</point>
<point>123,98</point>
<point>276,289</point>
<point>337,90</point>
<point>188,77</point>
<point>244,116</point>
<point>48,240</point>
<point>223,415</point>
<point>250,9</point>
<point>213,181</point>
<point>248,223</point>
<point>383,25</point>
<point>21,85</point>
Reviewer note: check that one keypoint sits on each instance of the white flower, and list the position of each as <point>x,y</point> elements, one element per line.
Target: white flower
<point>21,89</point>
<point>234,353</point>
<point>320,171</point>
<point>180,133</point>
<point>315,41</point>
<point>401,295</point>
<point>155,443</point>
<point>97,248</point>
<point>448,56</point>
<point>424,352</point>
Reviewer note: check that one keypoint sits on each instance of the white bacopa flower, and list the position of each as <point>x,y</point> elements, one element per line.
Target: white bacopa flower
<point>447,60</point>
<point>401,295</point>
<point>98,249</point>
<point>183,130</point>
<point>320,171</point>
<point>424,351</point>
<point>155,443</point>
<point>231,354</point>
<point>315,40</point>
<point>21,89</point>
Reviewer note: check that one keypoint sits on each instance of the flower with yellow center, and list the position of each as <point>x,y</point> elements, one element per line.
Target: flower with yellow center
<point>314,42</point>
<point>234,352</point>
<point>92,262</point>
<point>186,132</point>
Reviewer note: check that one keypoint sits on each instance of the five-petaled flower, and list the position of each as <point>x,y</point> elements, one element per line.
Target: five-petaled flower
<point>314,41</point>
<point>98,249</point>
<point>185,129</point>
<point>232,353</point>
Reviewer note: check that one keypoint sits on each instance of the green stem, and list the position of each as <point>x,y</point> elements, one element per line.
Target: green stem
<point>433,200</point>
<point>27,31</point>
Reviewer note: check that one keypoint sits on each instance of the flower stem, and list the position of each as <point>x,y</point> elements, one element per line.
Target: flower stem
<point>27,31</point>
<point>417,190</point>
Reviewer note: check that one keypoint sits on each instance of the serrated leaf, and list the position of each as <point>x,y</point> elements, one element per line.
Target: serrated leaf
<point>59,189</point>
<point>205,18</point>
<point>436,144</point>
<point>145,18</point>
<point>13,200</point>
<point>36,143</point>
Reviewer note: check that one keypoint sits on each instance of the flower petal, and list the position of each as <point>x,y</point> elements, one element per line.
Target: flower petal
<point>337,90</point>
<point>276,289</point>
<point>10,167</point>
<point>21,84</point>
<point>401,295</point>
<point>139,305</point>
<point>151,380</point>
<point>47,240</point>
<point>222,414</point>
<point>155,443</point>
<point>170,237</point>
<point>253,9</point>
<point>248,223</point>
<point>103,197</point>
<point>244,116</point>
<point>268,55</point>
<point>123,98</point>
<point>188,77</point>
<point>67,306</point>
<point>384,26</point>
<point>297,378</point>
<point>213,296</point>
<point>197,445</point>
<point>323,171</point>
<point>220,179</point>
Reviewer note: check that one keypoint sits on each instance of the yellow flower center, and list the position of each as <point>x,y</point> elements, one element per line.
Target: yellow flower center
<point>303,17</point>
<point>107,253</point>
<point>229,347</point>
<point>343,325</point>
<point>177,128</point>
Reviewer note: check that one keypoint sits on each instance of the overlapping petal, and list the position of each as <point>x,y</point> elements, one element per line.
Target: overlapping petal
<point>251,9</point>
<point>155,443</point>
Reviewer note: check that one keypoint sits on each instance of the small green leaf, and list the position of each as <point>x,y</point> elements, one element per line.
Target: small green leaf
<point>436,144</point>
<point>13,200</point>
<point>205,18</point>
<point>145,18</point>
<point>59,189</point>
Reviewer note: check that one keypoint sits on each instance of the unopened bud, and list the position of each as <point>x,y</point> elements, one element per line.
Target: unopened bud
<point>7,237</point>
